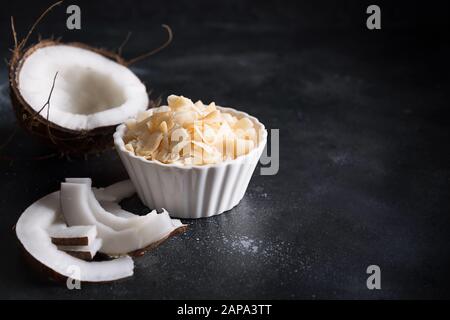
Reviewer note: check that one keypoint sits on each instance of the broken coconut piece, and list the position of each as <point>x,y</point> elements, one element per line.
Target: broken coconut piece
<point>32,232</point>
<point>100,193</point>
<point>120,190</point>
<point>96,210</point>
<point>72,236</point>
<point>110,196</point>
<point>116,209</point>
<point>83,252</point>
<point>115,192</point>
<point>153,229</point>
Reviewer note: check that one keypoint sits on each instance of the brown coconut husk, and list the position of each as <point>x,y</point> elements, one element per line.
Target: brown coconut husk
<point>67,141</point>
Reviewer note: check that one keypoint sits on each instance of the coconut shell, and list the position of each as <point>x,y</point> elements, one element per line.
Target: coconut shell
<point>83,255</point>
<point>67,141</point>
<point>47,273</point>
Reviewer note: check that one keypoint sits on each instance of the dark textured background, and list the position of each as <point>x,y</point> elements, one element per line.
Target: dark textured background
<point>364,174</point>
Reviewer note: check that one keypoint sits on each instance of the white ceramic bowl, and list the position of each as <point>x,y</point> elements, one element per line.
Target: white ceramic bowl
<point>193,191</point>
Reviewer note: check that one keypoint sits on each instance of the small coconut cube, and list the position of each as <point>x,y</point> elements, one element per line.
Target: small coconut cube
<point>83,252</point>
<point>61,234</point>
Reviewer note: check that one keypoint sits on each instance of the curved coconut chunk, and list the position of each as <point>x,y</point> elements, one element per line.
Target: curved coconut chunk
<point>31,230</point>
<point>61,234</point>
<point>116,209</point>
<point>87,181</point>
<point>161,226</point>
<point>121,190</point>
<point>77,211</point>
<point>101,195</point>
<point>109,196</point>
<point>90,90</point>
<point>83,252</point>
<point>116,222</point>
<point>177,223</point>
<point>115,192</point>
<point>86,195</point>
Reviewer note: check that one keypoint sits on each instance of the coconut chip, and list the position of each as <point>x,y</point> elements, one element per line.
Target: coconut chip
<point>189,133</point>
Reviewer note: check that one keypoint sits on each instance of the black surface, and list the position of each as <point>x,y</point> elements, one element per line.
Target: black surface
<point>364,128</point>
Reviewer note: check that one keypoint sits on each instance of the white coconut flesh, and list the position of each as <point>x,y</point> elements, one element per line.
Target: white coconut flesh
<point>90,90</point>
<point>151,228</point>
<point>32,232</point>
<point>86,196</point>
<point>115,192</point>
<point>116,209</point>
<point>110,196</point>
<point>120,190</point>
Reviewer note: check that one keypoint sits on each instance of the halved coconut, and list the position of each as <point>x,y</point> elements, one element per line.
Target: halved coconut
<point>32,232</point>
<point>93,91</point>
<point>73,95</point>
